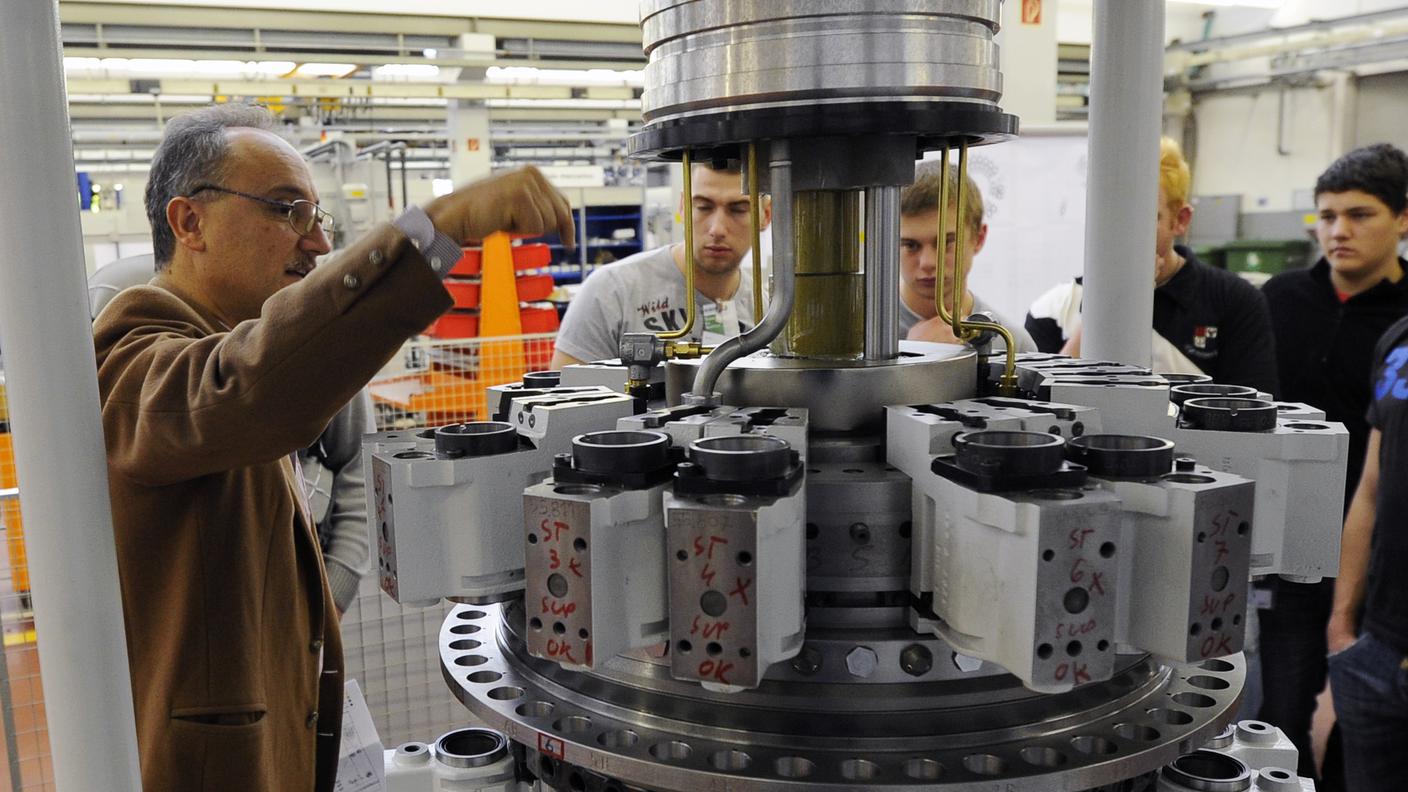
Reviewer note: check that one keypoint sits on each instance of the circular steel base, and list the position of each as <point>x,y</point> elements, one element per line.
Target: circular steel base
<point>923,374</point>
<point>635,727</point>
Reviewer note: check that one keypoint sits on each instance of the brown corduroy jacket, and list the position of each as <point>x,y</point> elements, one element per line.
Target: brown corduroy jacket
<point>232,635</point>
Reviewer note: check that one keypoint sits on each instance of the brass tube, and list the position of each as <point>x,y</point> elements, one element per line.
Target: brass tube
<point>689,297</point>
<point>960,227</point>
<point>961,328</point>
<point>941,242</point>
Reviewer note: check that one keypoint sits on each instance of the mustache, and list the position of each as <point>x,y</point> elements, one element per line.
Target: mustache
<point>301,265</point>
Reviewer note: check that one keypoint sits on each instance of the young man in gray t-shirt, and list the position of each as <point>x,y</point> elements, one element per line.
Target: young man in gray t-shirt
<point>645,292</point>
<point>919,257</point>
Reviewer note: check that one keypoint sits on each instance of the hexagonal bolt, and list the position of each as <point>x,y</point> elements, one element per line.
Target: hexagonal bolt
<point>916,660</point>
<point>860,533</point>
<point>965,663</point>
<point>862,661</point>
<point>807,661</point>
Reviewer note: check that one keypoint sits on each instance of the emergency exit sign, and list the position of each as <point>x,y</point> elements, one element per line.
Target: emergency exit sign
<point>1031,12</point>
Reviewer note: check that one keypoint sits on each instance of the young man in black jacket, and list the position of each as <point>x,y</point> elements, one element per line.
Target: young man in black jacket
<point>1206,320</point>
<point>1327,320</point>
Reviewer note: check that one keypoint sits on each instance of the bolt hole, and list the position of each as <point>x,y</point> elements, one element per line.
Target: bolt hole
<point>1044,651</point>
<point>813,531</point>
<point>714,649</point>
<point>745,558</point>
<point>684,647</point>
<point>1073,648</point>
<point>579,544</point>
<point>682,555</point>
<point>1048,555</point>
<point>1107,550</point>
<point>535,623</point>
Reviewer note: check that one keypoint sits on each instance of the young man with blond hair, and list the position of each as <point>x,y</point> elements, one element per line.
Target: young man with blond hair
<point>1206,320</point>
<point>919,258</point>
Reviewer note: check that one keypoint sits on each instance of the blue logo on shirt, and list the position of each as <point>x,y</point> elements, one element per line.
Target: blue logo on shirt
<point>1392,383</point>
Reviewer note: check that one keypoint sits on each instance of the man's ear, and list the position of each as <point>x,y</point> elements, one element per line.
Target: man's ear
<point>980,238</point>
<point>1182,220</point>
<point>765,216</point>
<point>185,217</point>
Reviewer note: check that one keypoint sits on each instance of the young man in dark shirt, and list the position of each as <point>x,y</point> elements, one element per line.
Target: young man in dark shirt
<point>1206,320</point>
<point>1327,320</point>
<point>1367,636</point>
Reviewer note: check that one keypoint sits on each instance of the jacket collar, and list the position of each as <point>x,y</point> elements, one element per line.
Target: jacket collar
<point>1385,291</point>
<point>211,321</point>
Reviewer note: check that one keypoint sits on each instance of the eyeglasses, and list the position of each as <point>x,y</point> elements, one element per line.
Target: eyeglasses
<point>302,215</point>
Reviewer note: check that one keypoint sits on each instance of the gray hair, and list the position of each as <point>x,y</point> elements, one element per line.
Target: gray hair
<point>192,152</point>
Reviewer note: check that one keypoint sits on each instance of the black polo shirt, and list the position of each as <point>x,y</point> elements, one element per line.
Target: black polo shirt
<point>1214,318</point>
<point>1386,591</point>
<point>1219,321</point>
<point>1325,348</point>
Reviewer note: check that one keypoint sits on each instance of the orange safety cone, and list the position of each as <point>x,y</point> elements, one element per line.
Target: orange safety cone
<point>500,361</point>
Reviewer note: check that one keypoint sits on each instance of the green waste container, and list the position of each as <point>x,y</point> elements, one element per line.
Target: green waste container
<point>1267,257</point>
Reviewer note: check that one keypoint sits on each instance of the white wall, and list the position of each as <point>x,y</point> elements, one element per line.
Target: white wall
<point>1236,150</point>
<point>1235,147</point>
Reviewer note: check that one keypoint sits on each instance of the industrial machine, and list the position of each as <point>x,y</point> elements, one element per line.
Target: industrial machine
<point>819,558</point>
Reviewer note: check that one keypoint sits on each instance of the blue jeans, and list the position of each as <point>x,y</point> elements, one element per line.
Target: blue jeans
<point>1370,685</point>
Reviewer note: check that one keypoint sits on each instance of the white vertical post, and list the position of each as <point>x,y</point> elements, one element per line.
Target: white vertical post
<point>1126,115</point>
<point>53,394</point>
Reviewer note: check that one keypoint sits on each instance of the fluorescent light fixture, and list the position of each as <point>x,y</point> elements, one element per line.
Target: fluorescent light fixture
<point>1272,4</point>
<point>406,72</point>
<point>567,104</point>
<point>530,75</point>
<point>173,67</point>
<point>324,69</point>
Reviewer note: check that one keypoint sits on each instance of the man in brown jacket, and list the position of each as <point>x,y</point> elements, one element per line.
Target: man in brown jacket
<point>235,356</point>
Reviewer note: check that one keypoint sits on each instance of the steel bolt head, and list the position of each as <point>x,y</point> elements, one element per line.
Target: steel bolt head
<point>862,661</point>
<point>965,663</point>
<point>807,661</point>
<point>916,660</point>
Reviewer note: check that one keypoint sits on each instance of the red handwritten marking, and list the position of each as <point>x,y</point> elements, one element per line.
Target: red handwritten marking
<point>558,648</point>
<point>589,652</point>
<point>1062,671</point>
<point>1222,551</point>
<point>1096,583</point>
<point>716,630</point>
<point>1213,605</point>
<point>718,670</point>
<point>1077,575</point>
<point>1077,537</point>
<point>1222,522</point>
<point>741,589</point>
<point>1072,629</point>
<point>1219,644</point>
<point>707,574</point>
<point>575,565</point>
<point>1082,673</point>
<point>553,529</point>
<point>553,560</point>
<point>559,608</point>
<point>701,549</point>
<point>694,627</point>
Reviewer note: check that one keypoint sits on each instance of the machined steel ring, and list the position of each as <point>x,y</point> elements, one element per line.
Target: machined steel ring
<point>620,452</point>
<point>1009,453</point>
<point>477,438</point>
<point>1230,415</point>
<point>1178,394</point>
<point>741,457</point>
<point>1122,456</point>
<point>466,748</point>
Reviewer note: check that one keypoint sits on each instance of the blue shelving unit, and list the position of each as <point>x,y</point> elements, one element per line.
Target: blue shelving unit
<point>596,242</point>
